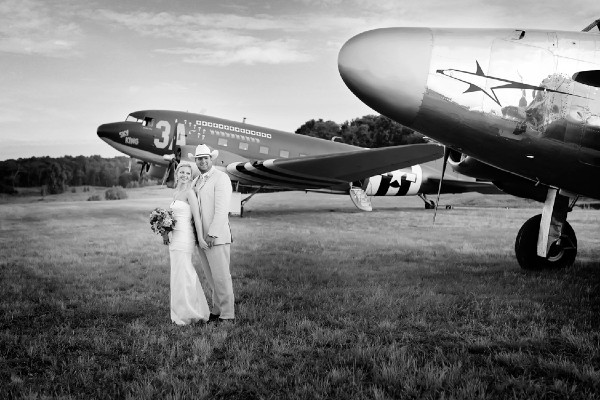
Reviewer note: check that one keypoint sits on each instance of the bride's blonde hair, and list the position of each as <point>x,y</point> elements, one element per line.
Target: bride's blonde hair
<point>183,165</point>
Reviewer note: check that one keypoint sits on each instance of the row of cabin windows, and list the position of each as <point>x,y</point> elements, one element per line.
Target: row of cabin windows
<point>149,122</point>
<point>262,149</point>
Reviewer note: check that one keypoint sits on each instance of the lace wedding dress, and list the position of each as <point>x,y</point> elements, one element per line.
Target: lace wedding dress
<point>188,303</point>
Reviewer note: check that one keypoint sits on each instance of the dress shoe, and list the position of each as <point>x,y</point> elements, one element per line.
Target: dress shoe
<point>213,317</point>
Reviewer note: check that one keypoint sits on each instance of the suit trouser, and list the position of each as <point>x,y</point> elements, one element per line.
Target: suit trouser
<point>215,264</point>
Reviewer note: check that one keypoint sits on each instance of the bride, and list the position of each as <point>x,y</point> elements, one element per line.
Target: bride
<point>188,303</point>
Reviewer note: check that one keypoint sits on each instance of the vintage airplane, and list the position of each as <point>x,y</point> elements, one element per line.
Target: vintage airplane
<point>258,158</point>
<point>518,107</point>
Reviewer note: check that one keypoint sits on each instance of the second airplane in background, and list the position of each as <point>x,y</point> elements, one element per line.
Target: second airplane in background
<point>258,158</point>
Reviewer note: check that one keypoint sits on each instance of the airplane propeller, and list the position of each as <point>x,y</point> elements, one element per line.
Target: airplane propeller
<point>168,172</point>
<point>146,167</point>
<point>173,162</point>
<point>437,201</point>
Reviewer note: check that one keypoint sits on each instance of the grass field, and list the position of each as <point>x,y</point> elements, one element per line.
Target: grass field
<point>331,303</point>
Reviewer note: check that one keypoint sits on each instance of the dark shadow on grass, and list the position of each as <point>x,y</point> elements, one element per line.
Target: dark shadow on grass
<point>43,302</point>
<point>55,327</point>
<point>281,212</point>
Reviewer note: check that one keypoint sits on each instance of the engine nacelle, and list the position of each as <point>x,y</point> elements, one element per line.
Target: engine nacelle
<point>157,171</point>
<point>401,182</point>
<point>469,166</point>
<point>504,181</point>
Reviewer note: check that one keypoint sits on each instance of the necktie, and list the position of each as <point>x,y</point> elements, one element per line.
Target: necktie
<point>200,182</point>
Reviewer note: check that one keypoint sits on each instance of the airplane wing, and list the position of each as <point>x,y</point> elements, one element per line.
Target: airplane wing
<point>450,185</point>
<point>324,171</point>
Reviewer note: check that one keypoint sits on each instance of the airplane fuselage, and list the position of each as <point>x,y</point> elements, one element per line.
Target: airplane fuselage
<point>510,98</point>
<point>151,134</point>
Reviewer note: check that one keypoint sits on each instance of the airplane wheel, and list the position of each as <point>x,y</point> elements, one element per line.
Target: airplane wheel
<point>562,253</point>
<point>429,205</point>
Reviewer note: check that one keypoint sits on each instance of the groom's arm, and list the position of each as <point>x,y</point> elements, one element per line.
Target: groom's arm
<point>222,199</point>
<point>193,202</point>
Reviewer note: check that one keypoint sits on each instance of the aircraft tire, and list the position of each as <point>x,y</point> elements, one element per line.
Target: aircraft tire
<point>560,256</point>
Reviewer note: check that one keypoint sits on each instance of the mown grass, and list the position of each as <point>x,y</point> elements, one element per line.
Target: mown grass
<point>331,303</point>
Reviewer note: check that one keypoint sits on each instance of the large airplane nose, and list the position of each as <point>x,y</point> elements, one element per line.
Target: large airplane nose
<point>110,131</point>
<point>387,69</point>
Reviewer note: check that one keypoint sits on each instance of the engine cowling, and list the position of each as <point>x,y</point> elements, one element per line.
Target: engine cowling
<point>469,166</point>
<point>157,171</point>
<point>507,182</point>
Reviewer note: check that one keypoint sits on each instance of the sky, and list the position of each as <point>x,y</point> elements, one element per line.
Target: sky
<point>68,66</point>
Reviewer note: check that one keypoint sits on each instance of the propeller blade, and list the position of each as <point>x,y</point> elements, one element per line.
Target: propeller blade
<point>145,165</point>
<point>437,201</point>
<point>167,172</point>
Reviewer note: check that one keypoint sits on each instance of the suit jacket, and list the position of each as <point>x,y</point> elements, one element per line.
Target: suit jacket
<point>214,195</point>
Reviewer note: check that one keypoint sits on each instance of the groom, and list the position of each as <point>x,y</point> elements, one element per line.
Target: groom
<point>213,188</point>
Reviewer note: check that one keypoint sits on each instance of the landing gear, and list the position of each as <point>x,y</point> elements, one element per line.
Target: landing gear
<point>429,204</point>
<point>561,254</point>
<point>360,199</point>
<point>244,201</point>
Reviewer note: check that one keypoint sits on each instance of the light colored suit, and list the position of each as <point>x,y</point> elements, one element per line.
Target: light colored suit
<point>214,194</point>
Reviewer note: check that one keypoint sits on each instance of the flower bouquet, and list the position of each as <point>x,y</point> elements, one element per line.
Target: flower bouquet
<point>162,221</point>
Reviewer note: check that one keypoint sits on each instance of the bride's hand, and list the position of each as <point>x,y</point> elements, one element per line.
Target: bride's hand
<point>203,245</point>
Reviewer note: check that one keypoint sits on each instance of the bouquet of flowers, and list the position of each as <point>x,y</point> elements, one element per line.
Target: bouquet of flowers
<point>162,221</point>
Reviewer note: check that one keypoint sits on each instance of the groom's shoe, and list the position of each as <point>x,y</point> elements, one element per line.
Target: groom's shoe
<point>213,318</point>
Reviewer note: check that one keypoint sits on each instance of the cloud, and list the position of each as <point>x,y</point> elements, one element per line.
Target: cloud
<point>31,27</point>
<point>465,14</point>
<point>225,39</point>
<point>322,3</point>
<point>258,52</point>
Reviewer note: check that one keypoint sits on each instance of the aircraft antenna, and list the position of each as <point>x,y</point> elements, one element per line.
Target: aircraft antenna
<point>437,201</point>
<point>591,26</point>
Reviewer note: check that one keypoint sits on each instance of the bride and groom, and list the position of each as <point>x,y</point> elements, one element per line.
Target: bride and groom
<point>201,206</point>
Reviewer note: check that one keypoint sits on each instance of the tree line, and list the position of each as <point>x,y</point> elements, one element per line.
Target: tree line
<point>368,131</point>
<point>55,175</point>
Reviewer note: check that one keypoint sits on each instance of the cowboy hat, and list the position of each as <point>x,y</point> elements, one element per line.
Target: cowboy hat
<point>203,150</point>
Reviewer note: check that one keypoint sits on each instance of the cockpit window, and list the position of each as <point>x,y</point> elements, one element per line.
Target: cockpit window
<point>147,121</point>
<point>131,118</point>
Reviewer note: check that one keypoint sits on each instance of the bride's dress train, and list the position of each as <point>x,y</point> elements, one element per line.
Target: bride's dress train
<point>188,303</point>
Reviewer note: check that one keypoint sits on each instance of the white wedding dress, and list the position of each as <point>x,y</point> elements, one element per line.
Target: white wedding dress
<point>188,303</point>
